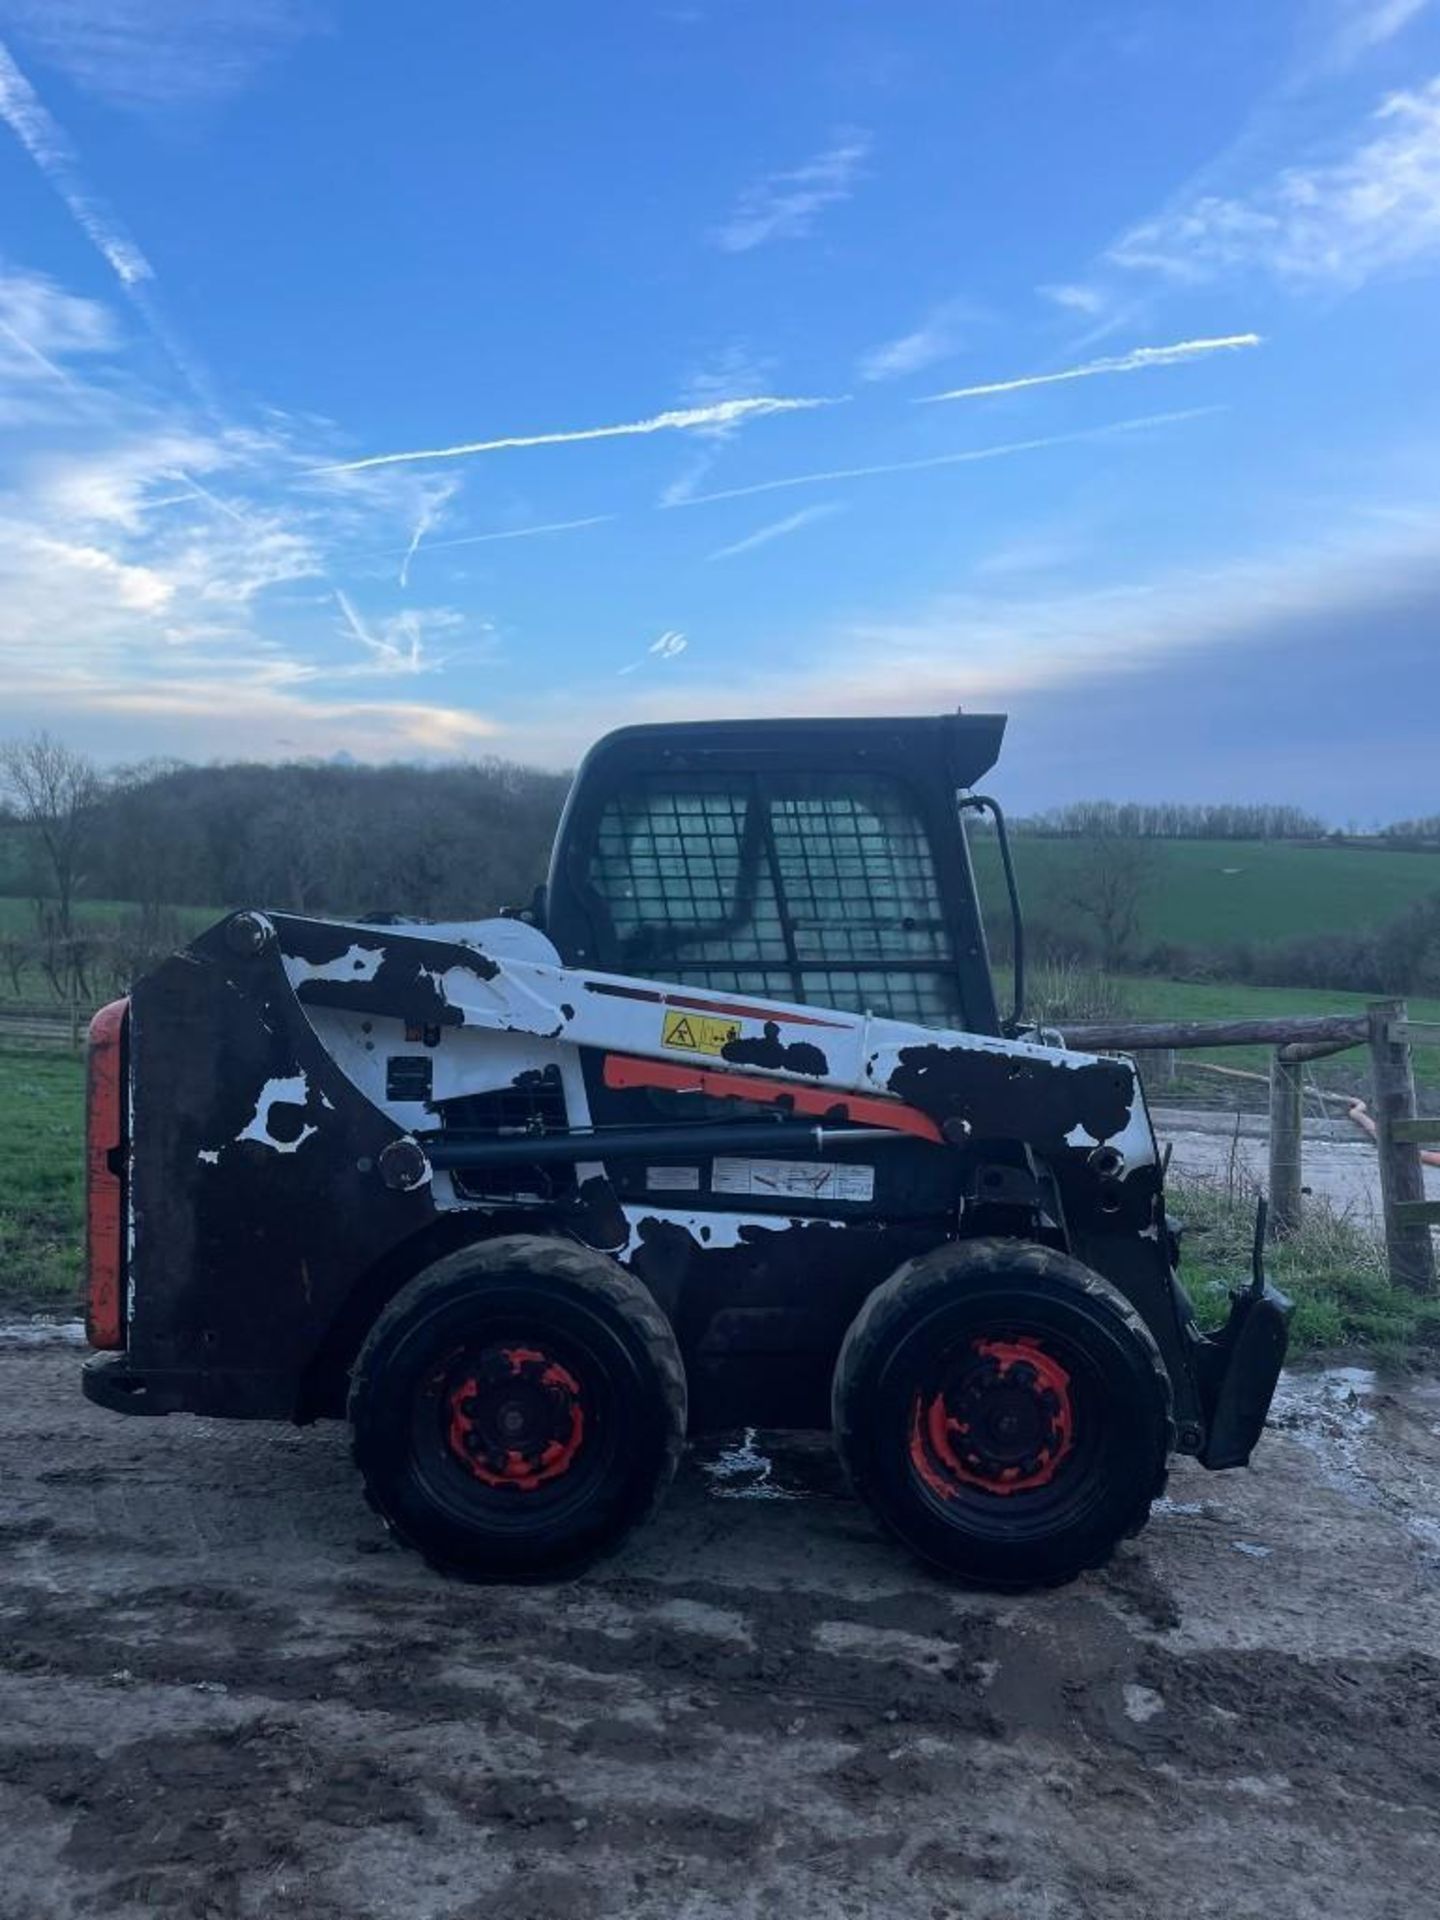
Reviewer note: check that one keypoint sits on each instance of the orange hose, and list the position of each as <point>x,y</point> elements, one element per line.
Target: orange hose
<point>1360,1115</point>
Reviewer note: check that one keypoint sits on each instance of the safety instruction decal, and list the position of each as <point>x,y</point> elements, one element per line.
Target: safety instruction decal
<point>793,1180</point>
<point>697,1032</point>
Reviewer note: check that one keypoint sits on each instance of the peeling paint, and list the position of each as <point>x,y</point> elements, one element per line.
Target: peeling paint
<point>292,1090</point>
<point>356,963</point>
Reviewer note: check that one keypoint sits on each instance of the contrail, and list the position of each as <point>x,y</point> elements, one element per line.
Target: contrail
<point>950,459</point>
<point>354,622</point>
<point>777,530</point>
<point>41,360</point>
<point>1134,362</point>
<point>678,419</point>
<point>199,492</point>
<point>523,533</point>
<point>46,143</point>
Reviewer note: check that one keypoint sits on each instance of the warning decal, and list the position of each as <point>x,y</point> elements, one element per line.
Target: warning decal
<point>697,1032</point>
<point>793,1180</point>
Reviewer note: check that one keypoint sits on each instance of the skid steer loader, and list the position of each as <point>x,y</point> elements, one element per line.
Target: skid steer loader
<point>726,1130</point>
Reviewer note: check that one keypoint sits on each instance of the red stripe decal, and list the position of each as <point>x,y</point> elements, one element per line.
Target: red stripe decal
<point>734,1009</point>
<point>104,1212</point>
<point>623,1070</point>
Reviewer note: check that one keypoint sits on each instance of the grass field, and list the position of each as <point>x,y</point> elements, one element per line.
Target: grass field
<point>1218,893</point>
<point>1332,1270</point>
<point>17,916</point>
<point>42,1121</point>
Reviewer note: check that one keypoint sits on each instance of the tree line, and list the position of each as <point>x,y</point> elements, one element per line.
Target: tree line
<point>1173,820</point>
<point>463,840</point>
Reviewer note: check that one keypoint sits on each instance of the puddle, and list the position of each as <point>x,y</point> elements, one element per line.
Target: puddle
<point>1339,1415</point>
<point>744,1473</point>
<point>37,1331</point>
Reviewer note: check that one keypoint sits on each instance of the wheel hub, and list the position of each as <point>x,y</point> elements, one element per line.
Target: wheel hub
<point>516,1418</point>
<point>1003,1420</point>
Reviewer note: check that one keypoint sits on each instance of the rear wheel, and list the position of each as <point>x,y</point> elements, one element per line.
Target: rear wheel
<point>517,1409</point>
<point>1005,1412</point>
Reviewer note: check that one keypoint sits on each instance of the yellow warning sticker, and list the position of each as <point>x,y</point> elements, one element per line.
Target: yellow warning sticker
<point>697,1032</point>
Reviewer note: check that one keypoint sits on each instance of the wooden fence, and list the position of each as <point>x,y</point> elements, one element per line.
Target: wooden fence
<point>1400,1132</point>
<point>53,1022</point>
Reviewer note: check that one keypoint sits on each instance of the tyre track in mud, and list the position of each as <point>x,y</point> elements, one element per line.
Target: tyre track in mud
<point>224,1694</point>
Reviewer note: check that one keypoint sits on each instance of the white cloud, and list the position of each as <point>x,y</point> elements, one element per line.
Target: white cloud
<point>1363,25</point>
<point>669,646</point>
<point>42,328</point>
<point>1077,297</point>
<point>52,321</point>
<point>161,53</point>
<point>965,458</point>
<point>1136,361</point>
<point>139,589</point>
<point>137,595</point>
<point>936,338</point>
<point>784,206</point>
<point>777,530</point>
<point>723,413</point>
<point>1342,221</point>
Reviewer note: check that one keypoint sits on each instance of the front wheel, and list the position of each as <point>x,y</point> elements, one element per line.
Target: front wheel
<point>517,1408</point>
<point>1005,1412</point>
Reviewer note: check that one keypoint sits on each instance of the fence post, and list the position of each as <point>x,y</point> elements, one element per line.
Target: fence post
<point>1284,1144</point>
<point>1409,1249</point>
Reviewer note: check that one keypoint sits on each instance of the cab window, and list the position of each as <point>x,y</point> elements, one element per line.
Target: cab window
<point>814,887</point>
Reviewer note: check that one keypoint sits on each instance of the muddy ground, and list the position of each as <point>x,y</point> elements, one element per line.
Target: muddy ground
<point>223,1693</point>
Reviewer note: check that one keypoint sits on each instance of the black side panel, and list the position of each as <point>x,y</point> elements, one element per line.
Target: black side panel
<point>760,1323</point>
<point>256,1200</point>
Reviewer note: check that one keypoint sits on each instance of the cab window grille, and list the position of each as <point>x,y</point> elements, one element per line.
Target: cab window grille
<point>818,888</point>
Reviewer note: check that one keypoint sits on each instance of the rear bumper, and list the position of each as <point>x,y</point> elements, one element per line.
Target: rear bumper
<point>1240,1367</point>
<point>105,1197</point>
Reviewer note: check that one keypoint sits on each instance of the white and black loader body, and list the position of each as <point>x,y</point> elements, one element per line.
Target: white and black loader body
<point>725,1132</point>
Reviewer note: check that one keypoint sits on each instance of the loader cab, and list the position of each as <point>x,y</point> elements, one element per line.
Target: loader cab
<point>820,861</point>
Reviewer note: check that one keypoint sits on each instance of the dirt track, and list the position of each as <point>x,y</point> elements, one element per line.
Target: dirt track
<point>223,1694</point>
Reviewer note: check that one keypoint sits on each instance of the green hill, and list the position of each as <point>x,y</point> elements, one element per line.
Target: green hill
<point>1218,893</point>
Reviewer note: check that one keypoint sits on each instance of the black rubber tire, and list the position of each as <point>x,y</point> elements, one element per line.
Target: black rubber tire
<point>606,1331</point>
<point>920,1323</point>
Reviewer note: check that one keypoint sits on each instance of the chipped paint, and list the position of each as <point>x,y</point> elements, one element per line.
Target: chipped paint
<point>209,1155</point>
<point>356,963</point>
<point>292,1090</point>
<point>713,1231</point>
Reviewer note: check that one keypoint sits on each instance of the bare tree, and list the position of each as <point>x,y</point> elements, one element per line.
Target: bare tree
<point>53,790</point>
<point>1105,882</point>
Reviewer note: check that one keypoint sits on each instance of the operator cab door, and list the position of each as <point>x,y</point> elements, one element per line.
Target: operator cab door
<point>819,862</point>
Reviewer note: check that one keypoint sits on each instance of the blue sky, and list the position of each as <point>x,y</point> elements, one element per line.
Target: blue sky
<point>716,265</point>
